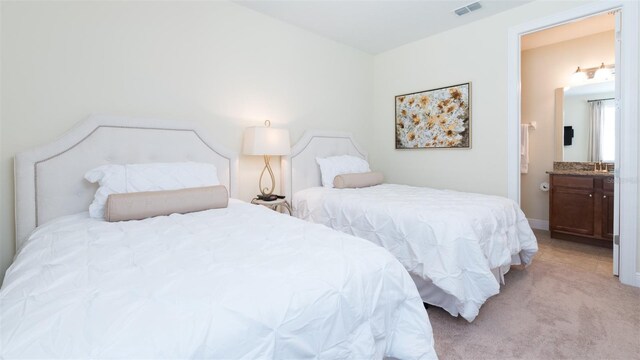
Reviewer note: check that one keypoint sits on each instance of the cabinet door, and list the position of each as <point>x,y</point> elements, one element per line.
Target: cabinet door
<point>607,215</point>
<point>573,210</point>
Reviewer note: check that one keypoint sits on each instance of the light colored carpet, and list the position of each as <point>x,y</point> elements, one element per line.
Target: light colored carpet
<point>564,306</point>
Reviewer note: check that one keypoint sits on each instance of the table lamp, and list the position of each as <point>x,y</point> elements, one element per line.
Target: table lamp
<point>266,141</point>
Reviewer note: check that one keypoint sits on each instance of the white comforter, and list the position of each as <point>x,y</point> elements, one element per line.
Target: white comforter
<point>240,282</point>
<point>452,239</point>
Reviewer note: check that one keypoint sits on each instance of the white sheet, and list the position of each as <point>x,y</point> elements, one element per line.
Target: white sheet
<point>448,238</point>
<point>240,282</point>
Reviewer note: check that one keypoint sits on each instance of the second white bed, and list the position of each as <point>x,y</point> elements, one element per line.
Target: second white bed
<point>460,242</point>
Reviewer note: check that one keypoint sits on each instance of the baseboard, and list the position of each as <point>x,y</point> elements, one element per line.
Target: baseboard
<point>637,284</point>
<point>539,224</point>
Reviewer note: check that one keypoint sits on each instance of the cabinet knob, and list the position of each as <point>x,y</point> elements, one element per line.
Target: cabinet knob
<point>604,196</point>
<point>590,195</point>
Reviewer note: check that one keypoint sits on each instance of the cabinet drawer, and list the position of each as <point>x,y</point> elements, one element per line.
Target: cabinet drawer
<point>573,181</point>
<point>607,183</point>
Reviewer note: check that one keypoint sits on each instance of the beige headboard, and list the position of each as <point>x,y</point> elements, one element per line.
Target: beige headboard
<point>49,180</point>
<point>300,169</point>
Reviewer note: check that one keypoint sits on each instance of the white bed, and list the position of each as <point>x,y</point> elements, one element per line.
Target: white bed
<point>199,285</point>
<point>457,246</point>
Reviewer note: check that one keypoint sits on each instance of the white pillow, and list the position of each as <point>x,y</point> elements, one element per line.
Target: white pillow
<point>118,179</point>
<point>333,166</point>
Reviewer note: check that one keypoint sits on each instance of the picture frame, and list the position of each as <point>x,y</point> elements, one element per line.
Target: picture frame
<point>434,119</point>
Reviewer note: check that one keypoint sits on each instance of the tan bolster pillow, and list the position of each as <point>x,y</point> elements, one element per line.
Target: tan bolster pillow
<point>358,180</point>
<point>142,205</point>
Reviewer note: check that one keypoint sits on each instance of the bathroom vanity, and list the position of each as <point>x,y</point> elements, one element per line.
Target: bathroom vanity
<point>581,199</point>
<point>581,206</point>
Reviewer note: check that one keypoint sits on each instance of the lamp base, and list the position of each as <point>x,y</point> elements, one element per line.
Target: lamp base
<point>266,191</point>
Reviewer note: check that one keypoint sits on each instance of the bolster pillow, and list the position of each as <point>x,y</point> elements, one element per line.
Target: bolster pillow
<point>146,204</point>
<point>358,180</point>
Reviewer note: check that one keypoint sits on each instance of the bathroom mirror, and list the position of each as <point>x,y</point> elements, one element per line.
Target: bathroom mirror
<point>585,122</point>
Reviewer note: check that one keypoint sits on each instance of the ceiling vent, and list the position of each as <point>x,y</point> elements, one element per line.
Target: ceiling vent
<point>467,9</point>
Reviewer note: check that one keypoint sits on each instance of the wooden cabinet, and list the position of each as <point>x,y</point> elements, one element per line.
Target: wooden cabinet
<point>607,208</point>
<point>581,209</point>
<point>573,211</point>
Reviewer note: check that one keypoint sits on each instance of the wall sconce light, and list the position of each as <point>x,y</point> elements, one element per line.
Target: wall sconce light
<point>600,73</point>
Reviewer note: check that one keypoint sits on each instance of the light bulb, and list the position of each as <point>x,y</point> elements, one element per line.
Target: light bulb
<point>602,73</point>
<point>579,76</point>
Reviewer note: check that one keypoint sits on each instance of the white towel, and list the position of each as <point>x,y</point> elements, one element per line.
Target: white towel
<point>524,148</point>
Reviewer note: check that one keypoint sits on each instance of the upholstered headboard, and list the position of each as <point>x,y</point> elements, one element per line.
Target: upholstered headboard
<point>49,180</point>
<point>300,170</point>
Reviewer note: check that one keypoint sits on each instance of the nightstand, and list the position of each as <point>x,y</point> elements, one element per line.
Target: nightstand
<point>273,205</point>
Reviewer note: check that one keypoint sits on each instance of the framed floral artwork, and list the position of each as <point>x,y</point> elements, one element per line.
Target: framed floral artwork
<point>438,118</point>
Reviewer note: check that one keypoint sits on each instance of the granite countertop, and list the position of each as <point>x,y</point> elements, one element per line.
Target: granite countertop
<point>577,168</point>
<point>579,173</point>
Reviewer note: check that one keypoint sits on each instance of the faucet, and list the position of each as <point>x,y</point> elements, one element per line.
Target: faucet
<point>597,167</point>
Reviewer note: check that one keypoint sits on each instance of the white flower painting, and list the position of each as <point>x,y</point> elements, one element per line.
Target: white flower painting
<point>437,118</point>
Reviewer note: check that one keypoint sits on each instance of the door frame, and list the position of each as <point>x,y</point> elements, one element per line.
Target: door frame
<point>626,173</point>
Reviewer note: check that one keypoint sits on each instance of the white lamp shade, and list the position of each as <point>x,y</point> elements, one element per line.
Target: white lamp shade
<point>602,74</point>
<point>579,77</point>
<point>261,140</point>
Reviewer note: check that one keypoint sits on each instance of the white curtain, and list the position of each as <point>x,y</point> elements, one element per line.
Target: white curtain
<point>596,117</point>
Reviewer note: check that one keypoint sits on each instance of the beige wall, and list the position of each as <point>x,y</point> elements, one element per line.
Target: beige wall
<point>476,52</point>
<point>544,69</point>
<point>216,63</point>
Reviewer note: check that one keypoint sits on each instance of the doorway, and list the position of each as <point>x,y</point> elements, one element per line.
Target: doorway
<point>568,139</point>
<point>626,184</point>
